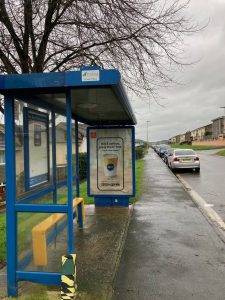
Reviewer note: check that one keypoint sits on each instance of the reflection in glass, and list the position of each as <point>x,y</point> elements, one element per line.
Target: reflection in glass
<point>32,143</point>
<point>38,141</point>
<point>42,240</point>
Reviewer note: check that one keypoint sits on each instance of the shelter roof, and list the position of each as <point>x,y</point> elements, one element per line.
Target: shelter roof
<point>98,96</point>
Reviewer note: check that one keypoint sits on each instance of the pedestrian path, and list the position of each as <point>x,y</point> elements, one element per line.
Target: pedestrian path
<point>98,249</point>
<point>171,251</point>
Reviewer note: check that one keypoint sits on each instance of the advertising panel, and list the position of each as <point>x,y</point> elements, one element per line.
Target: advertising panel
<point>37,146</point>
<point>111,165</point>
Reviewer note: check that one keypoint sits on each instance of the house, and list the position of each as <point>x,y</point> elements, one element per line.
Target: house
<point>200,133</point>
<point>139,143</point>
<point>82,138</point>
<point>218,127</point>
<point>188,137</point>
<point>194,134</point>
<point>172,140</point>
<point>182,138</point>
<point>208,131</point>
<point>175,139</point>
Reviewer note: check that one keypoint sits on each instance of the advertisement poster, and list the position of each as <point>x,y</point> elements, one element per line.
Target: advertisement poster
<point>111,169</point>
<point>38,147</point>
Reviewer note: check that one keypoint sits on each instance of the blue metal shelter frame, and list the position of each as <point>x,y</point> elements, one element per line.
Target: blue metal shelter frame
<point>40,90</point>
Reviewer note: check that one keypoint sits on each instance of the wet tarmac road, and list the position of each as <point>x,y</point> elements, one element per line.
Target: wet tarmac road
<point>210,183</point>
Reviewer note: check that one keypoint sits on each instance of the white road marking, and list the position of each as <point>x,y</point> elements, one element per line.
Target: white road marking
<point>209,205</point>
<point>206,207</point>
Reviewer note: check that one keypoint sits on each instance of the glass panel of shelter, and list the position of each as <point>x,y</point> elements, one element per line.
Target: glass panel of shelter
<point>42,240</point>
<point>34,134</point>
<point>39,154</point>
<point>33,163</point>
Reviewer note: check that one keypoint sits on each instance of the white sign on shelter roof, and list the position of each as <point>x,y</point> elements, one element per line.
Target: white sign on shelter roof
<point>90,75</point>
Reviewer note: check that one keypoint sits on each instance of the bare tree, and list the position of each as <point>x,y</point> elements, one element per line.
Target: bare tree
<point>139,37</point>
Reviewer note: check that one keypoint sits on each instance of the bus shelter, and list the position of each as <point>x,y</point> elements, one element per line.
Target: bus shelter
<point>42,164</point>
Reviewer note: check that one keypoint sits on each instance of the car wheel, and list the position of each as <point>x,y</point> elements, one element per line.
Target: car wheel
<point>197,170</point>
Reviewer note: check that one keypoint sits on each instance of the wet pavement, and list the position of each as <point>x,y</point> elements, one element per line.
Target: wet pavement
<point>209,184</point>
<point>171,251</point>
<point>98,246</point>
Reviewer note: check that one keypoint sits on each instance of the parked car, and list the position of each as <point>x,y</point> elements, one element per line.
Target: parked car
<point>157,149</point>
<point>162,150</point>
<point>169,152</point>
<point>184,159</point>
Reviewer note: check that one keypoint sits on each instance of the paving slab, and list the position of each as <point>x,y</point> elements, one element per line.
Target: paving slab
<point>171,251</point>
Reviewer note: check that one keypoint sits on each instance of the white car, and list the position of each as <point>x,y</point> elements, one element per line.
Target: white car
<point>184,159</point>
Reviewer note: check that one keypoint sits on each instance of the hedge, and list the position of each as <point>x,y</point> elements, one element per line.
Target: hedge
<point>83,165</point>
<point>139,152</point>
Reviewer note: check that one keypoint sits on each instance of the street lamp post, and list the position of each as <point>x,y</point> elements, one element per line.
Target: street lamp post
<point>223,108</point>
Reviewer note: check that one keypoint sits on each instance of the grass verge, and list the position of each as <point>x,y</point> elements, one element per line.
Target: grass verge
<point>222,153</point>
<point>2,237</point>
<point>195,147</point>
<point>139,182</point>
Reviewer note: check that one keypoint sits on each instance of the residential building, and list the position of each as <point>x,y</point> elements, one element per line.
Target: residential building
<point>188,137</point>
<point>208,131</point>
<point>177,138</point>
<point>201,133</point>
<point>182,138</point>
<point>139,143</point>
<point>218,127</point>
<point>172,140</point>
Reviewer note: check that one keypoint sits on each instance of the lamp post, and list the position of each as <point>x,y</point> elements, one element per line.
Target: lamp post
<point>147,132</point>
<point>223,108</point>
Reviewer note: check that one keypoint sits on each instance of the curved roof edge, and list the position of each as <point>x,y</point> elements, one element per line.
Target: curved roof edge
<point>90,77</point>
<point>86,76</point>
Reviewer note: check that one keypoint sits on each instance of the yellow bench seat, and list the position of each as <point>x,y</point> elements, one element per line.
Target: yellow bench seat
<point>39,233</point>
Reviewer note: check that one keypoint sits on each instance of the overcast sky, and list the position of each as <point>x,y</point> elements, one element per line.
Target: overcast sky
<point>198,101</point>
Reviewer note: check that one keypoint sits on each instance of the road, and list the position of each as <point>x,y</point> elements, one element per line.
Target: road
<point>210,183</point>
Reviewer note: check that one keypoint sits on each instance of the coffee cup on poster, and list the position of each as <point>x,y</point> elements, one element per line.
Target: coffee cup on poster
<point>110,162</point>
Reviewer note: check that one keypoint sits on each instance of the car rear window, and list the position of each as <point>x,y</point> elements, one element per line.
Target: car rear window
<point>184,152</point>
<point>164,147</point>
<point>170,151</point>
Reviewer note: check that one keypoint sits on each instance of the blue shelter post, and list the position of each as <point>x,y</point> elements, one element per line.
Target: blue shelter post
<point>11,217</point>
<point>54,158</point>
<point>77,160</point>
<point>80,218</point>
<point>69,173</point>
<point>26,150</point>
